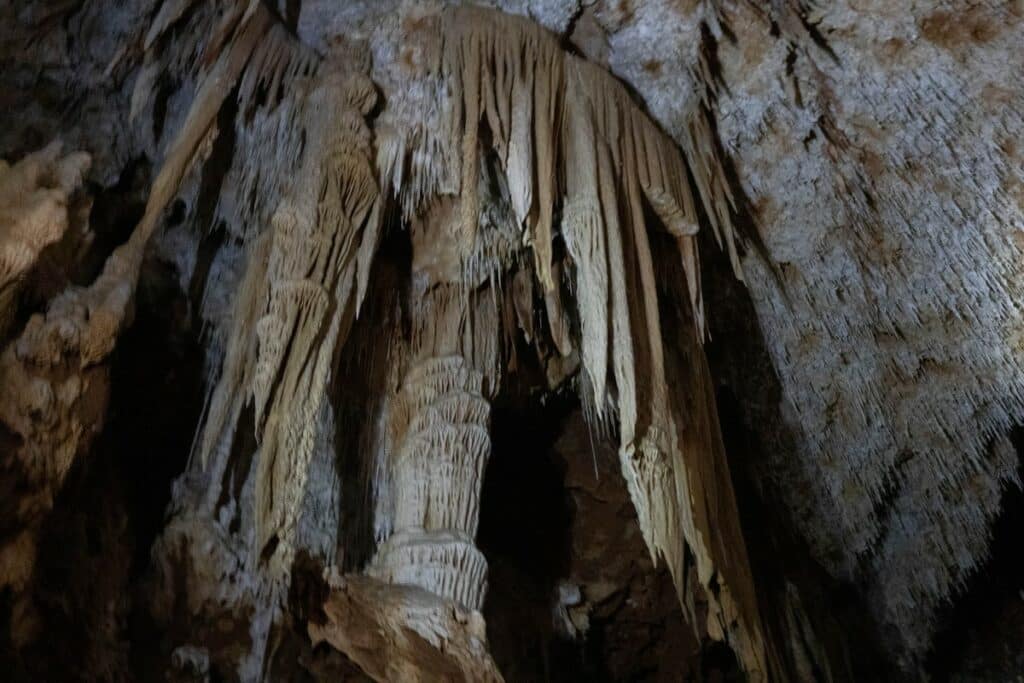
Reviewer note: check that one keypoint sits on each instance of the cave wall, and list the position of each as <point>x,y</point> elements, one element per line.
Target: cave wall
<point>894,331</point>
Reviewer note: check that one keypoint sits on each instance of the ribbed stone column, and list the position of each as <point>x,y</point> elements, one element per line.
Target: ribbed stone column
<point>437,475</point>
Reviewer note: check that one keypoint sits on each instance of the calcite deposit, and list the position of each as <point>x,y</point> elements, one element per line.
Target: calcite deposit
<point>754,266</point>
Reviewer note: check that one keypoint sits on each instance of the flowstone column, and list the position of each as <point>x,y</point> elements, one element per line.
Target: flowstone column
<point>440,419</point>
<point>437,474</point>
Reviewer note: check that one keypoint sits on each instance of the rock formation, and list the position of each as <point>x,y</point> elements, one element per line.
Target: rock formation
<point>762,255</point>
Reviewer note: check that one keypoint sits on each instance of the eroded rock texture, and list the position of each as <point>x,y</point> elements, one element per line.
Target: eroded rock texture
<point>377,234</point>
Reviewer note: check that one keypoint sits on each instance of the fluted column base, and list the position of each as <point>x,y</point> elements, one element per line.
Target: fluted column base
<point>442,562</point>
<point>442,418</point>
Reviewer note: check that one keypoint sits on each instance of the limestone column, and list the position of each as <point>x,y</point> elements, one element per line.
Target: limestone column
<point>437,473</point>
<point>440,422</point>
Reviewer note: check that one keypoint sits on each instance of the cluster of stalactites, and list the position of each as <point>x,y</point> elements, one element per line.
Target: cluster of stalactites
<point>565,133</point>
<point>305,273</point>
<point>471,69</point>
<point>304,280</point>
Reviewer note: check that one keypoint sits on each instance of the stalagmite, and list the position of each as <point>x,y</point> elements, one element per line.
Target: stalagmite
<point>438,469</point>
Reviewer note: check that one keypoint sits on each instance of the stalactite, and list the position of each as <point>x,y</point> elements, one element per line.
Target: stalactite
<point>585,236</point>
